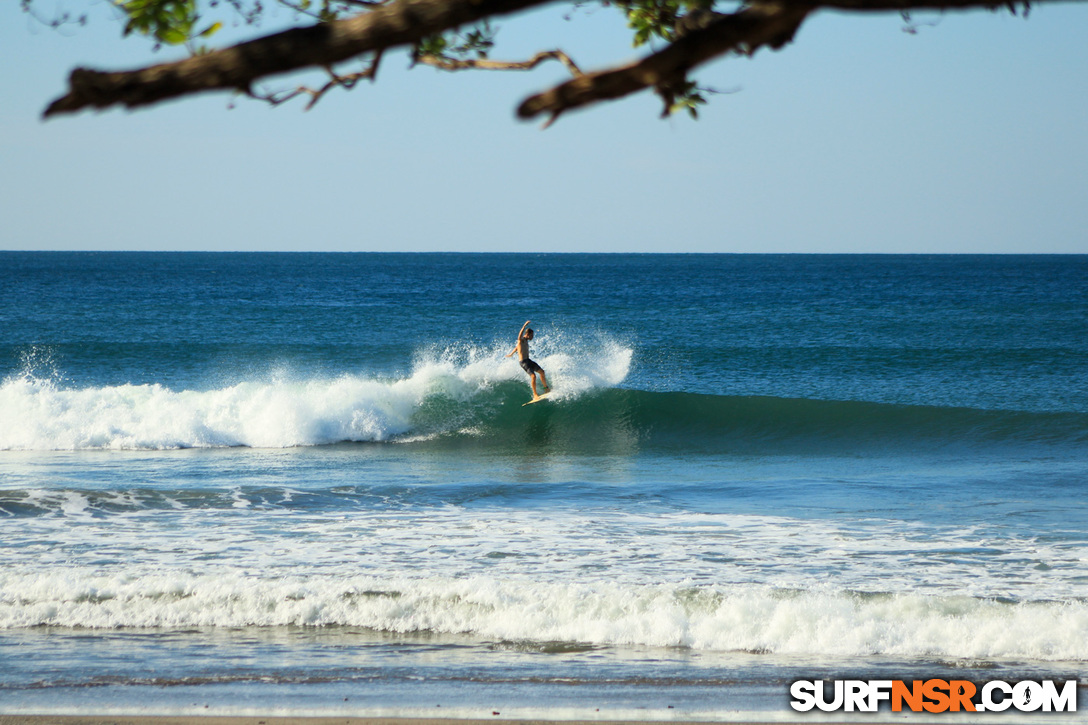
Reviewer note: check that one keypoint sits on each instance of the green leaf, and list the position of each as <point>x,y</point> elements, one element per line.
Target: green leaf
<point>173,36</point>
<point>168,21</point>
<point>210,30</point>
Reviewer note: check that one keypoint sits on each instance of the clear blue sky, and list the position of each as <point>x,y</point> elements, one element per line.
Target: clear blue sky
<point>971,136</point>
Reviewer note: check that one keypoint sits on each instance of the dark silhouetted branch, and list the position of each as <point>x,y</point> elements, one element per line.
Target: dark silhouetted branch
<point>403,22</point>
<point>336,80</point>
<point>395,23</point>
<point>746,31</point>
<point>488,64</point>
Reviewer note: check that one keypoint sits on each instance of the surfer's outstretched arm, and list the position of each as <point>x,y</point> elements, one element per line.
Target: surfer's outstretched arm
<point>521,334</point>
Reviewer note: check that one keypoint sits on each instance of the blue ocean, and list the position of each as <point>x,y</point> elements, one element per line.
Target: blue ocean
<point>306,484</point>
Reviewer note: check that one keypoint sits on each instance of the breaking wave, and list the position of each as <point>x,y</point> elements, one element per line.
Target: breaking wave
<point>742,618</point>
<point>475,396</point>
<point>446,391</point>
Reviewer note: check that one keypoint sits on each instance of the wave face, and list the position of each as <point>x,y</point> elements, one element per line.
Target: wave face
<point>750,619</point>
<point>762,424</point>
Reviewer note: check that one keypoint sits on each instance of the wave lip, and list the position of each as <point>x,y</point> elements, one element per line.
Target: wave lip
<point>739,618</point>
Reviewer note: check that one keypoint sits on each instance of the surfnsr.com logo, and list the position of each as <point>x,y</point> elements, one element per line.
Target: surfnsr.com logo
<point>934,696</point>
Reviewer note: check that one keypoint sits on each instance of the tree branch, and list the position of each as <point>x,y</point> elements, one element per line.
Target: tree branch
<point>402,22</point>
<point>771,24</point>
<point>393,23</point>
<point>347,81</point>
<point>452,64</point>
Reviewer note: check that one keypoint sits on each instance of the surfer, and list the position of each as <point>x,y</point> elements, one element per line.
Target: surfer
<point>528,365</point>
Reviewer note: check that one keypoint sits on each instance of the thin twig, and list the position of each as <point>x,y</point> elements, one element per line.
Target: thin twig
<point>454,64</point>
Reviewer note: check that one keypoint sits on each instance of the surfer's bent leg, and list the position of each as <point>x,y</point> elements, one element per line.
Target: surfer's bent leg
<point>532,369</point>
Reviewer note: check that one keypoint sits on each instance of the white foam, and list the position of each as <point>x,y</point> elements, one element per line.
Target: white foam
<point>749,618</point>
<point>39,413</point>
<point>576,574</point>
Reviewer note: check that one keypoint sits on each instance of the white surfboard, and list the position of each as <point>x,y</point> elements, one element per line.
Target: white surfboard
<point>537,399</point>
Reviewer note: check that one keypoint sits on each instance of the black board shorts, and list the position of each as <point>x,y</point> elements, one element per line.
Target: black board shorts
<point>530,367</point>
